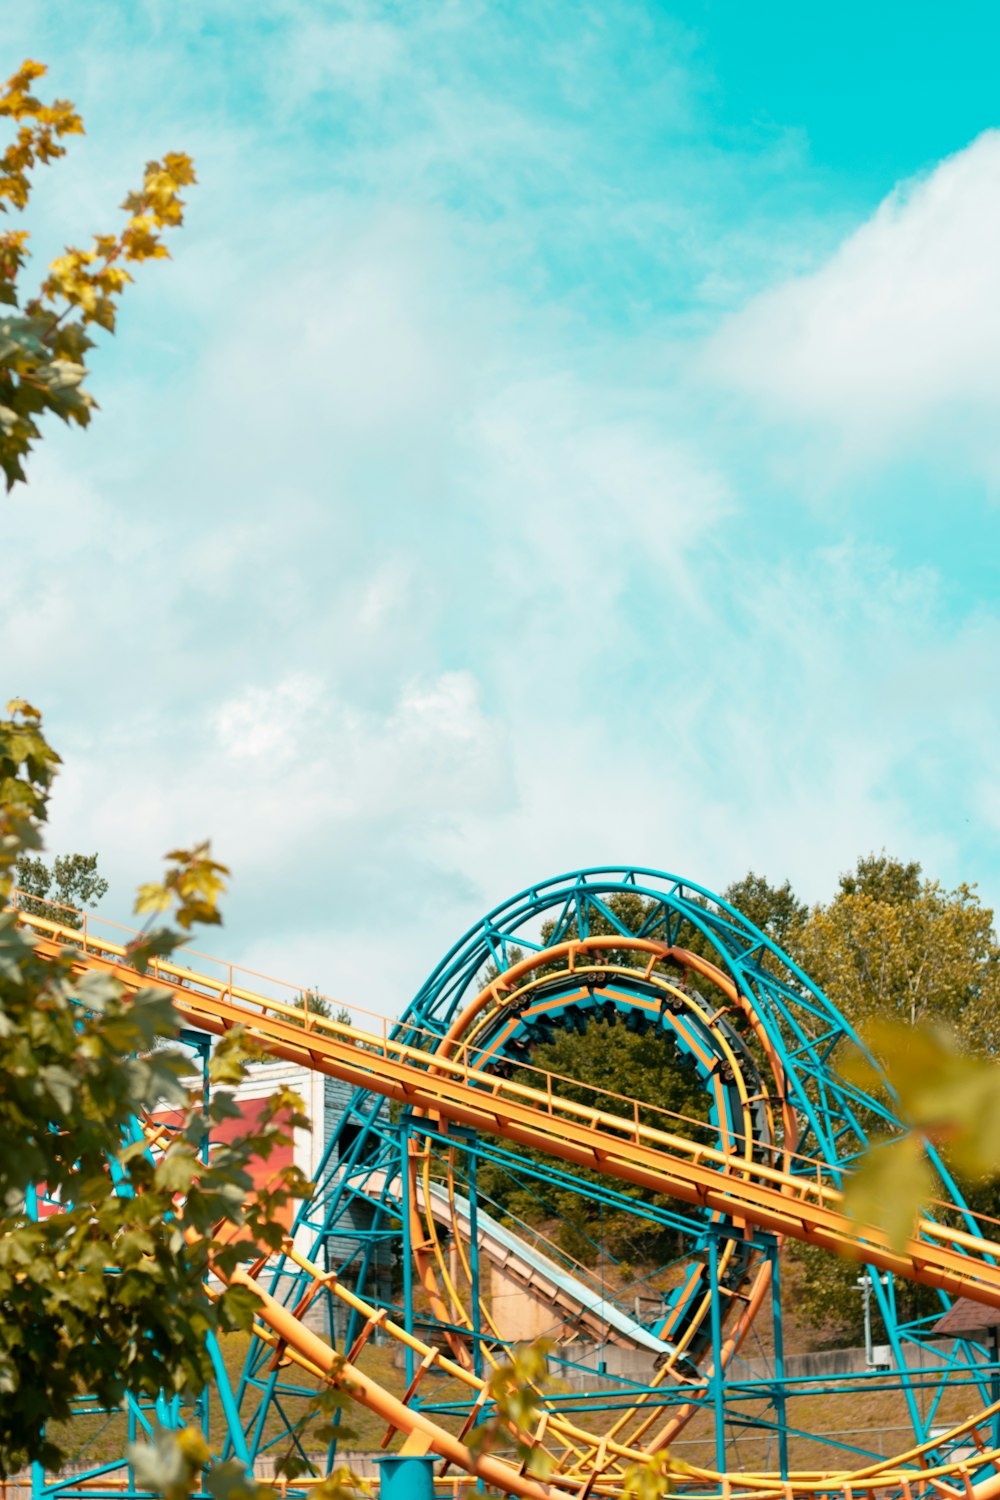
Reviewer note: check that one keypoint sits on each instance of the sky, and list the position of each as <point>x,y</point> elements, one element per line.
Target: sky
<point>564,435</point>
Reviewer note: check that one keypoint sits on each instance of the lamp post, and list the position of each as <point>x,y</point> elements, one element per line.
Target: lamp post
<point>866,1286</point>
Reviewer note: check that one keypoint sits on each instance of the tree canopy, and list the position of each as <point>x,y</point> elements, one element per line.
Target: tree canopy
<point>901,956</point>
<point>894,944</point>
<point>59,891</point>
<point>645,1067</point>
<point>605,1057</point>
<point>890,946</point>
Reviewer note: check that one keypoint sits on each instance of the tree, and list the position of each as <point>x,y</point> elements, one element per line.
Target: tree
<point>44,335</point>
<point>315,1004</point>
<point>609,1057</point>
<point>894,944</point>
<point>605,1057</point>
<point>774,909</point>
<point>883,878</point>
<point>59,893</point>
<point>105,1244</point>
<point>825,1292</point>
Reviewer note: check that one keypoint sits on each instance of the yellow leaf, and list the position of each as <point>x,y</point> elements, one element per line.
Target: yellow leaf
<point>23,707</point>
<point>890,1187</point>
<point>152,897</point>
<point>180,167</point>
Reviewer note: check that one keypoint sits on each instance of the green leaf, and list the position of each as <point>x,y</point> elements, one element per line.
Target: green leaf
<point>238,1307</point>
<point>230,1481</point>
<point>176,1170</point>
<point>60,1084</point>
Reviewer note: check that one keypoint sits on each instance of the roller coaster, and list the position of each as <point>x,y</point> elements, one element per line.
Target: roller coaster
<point>432,1100</point>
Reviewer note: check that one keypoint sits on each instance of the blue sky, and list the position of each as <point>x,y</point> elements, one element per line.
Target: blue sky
<point>563,435</point>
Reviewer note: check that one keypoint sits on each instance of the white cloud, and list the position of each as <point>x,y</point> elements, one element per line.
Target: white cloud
<point>265,723</point>
<point>384,596</point>
<point>357,57</point>
<point>432,759</point>
<point>590,497</point>
<point>287,776</point>
<point>896,339</point>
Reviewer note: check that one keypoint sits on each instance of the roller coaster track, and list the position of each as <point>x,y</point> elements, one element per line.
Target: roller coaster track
<point>802,1207</point>
<point>450,1079</point>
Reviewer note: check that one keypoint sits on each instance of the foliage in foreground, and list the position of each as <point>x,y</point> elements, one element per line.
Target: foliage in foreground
<point>948,1098</point>
<point>106,1295</point>
<point>178,1465</point>
<point>105,1245</point>
<point>516,1390</point>
<point>45,335</point>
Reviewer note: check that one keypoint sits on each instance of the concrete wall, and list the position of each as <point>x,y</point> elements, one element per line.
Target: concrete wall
<point>848,1361</point>
<point>518,1314</point>
<point>638,1364</point>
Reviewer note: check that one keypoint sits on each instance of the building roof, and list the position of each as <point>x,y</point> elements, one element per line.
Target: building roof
<point>965,1317</point>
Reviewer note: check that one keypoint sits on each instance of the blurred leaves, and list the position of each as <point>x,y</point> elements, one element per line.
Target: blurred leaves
<point>171,1464</point>
<point>193,880</point>
<point>652,1479</point>
<point>323,1425</point>
<point>515,1389</point>
<point>191,887</point>
<point>38,140</point>
<point>898,953</point>
<point>176,1465</point>
<point>340,1484</point>
<point>28,765</point>
<point>946,1096</point>
<point>107,1231</point>
<point>890,1187</point>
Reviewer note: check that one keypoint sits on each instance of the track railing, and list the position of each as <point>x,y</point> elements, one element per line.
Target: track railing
<point>804,1207</point>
